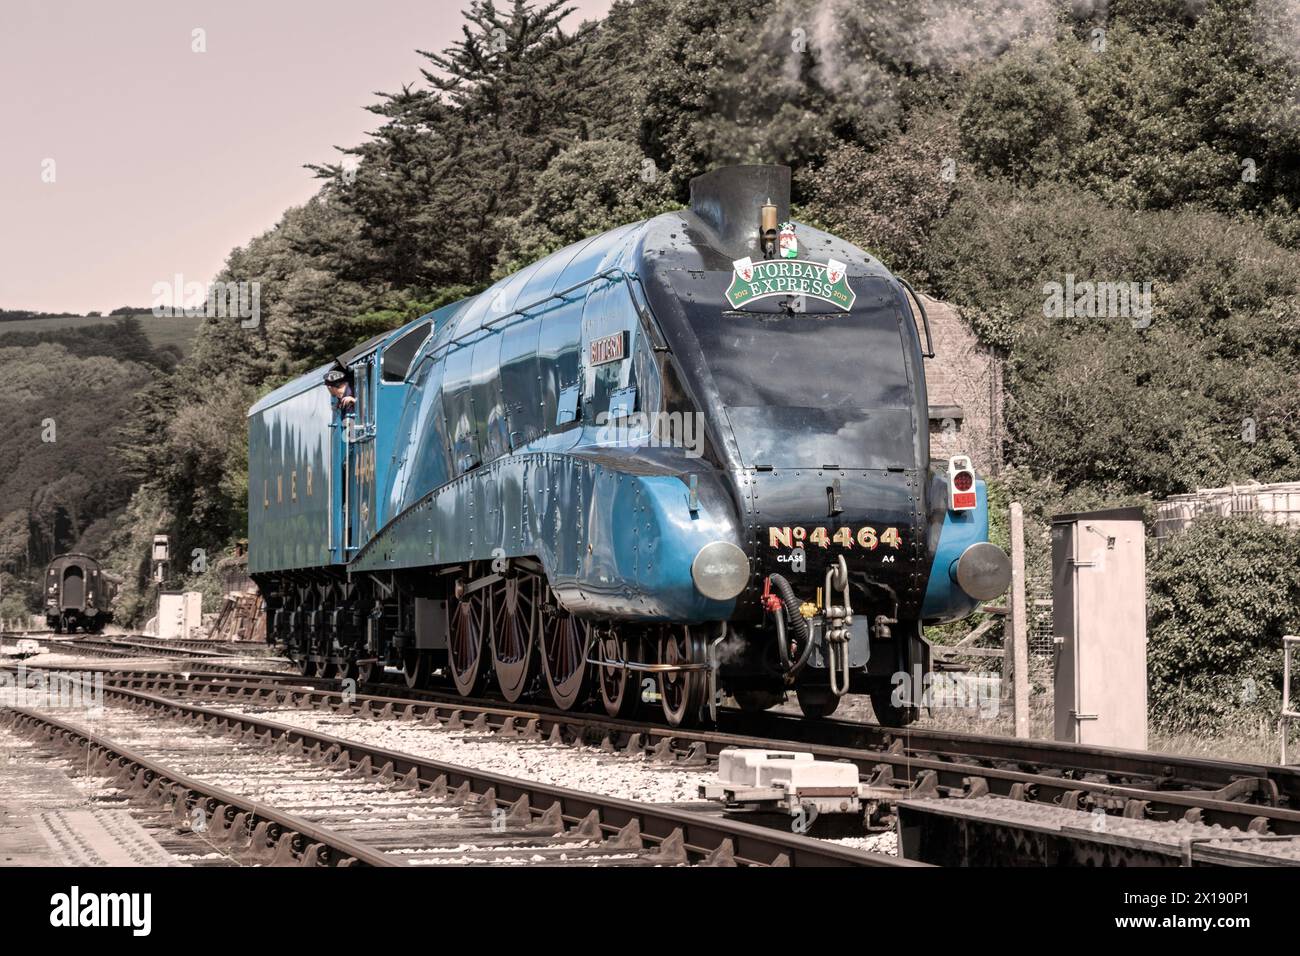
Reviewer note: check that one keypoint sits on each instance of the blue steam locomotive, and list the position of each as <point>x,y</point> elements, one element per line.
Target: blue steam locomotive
<point>683,459</point>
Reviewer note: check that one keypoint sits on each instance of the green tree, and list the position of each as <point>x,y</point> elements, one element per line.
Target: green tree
<point>1158,104</point>
<point>303,300</point>
<point>1021,119</point>
<point>792,81</point>
<point>587,189</point>
<point>453,161</point>
<point>58,447</point>
<point>888,200</point>
<point>1204,395</point>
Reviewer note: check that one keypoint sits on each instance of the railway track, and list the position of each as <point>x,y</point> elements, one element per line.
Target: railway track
<point>1146,770</point>
<point>68,646</point>
<point>286,795</point>
<point>136,645</point>
<point>916,768</point>
<point>1165,786</point>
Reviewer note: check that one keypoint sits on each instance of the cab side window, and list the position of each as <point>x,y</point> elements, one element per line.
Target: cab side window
<point>458,409</point>
<point>621,375</point>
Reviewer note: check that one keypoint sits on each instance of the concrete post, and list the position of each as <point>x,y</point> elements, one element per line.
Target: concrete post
<point>1018,621</point>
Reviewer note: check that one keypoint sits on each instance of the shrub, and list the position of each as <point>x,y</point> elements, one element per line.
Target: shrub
<point>888,201</point>
<point>1021,119</point>
<point>1155,410</point>
<point>1166,105</point>
<point>1221,595</point>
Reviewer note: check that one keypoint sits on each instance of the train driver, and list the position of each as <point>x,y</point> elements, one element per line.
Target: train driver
<point>336,380</point>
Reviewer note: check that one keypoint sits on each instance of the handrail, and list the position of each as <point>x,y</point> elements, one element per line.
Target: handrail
<point>613,270</point>
<point>929,342</point>
<point>647,317</point>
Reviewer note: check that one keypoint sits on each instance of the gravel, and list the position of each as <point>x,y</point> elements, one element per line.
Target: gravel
<point>583,768</point>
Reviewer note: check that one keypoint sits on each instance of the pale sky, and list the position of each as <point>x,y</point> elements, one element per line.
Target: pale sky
<point>165,159</point>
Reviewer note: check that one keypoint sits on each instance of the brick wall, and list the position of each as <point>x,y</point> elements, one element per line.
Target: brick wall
<point>964,381</point>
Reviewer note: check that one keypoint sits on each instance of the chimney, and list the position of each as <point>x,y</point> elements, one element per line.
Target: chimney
<point>730,200</point>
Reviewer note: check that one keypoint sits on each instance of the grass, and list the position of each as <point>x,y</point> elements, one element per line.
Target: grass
<point>1257,744</point>
<point>179,331</point>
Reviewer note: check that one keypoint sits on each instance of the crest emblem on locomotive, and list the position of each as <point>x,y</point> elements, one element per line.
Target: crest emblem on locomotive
<point>751,281</point>
<point>788,243</point>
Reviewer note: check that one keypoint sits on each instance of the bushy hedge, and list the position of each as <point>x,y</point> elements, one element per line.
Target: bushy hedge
<point>888,200</point>
<point>1221,596</point>
<point>1149,108</point>
<point>1202,396</point>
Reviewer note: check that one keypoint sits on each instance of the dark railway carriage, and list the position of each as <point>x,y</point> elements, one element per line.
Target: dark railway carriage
<point>687,457</point>
<point>78,594</point>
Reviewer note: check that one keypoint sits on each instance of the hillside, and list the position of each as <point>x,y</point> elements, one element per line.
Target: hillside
<point>161,332</point>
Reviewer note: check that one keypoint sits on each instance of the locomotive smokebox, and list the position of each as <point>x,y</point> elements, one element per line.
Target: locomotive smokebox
<point>731,200</point>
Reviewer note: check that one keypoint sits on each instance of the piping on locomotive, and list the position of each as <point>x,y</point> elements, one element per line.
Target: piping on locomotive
<point>510,499</point>
<point>78,594</point>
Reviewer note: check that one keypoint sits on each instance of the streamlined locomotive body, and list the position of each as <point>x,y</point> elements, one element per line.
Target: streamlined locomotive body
<point>685,458</point>
<point>78,594</point>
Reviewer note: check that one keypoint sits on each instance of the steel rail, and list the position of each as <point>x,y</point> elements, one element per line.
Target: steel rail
<point>1166,769</point>
<point>702,836</point>
<point>912,773</point>
<point>1161,771</point>
<point>181,644</point>
<point>81,648</point>
<point>161,779</point>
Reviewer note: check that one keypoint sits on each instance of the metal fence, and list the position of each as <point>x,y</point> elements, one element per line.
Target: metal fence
<point>1275,503</point>
<point>1042,642</point>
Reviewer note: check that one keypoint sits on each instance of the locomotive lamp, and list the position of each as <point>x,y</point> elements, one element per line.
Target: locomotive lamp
<point>961,484</point>
<point>767,235</point>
